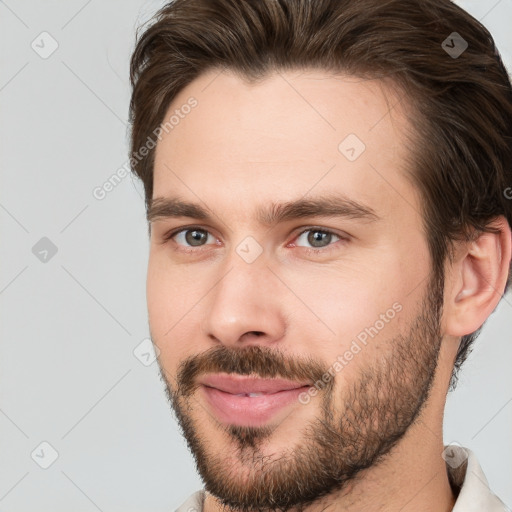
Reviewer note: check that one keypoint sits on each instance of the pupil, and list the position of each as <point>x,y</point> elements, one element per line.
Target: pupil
<point>321,237</point>
<point>194,236</point>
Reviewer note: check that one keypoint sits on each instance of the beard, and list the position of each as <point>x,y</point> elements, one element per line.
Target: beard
<point>378,408</point>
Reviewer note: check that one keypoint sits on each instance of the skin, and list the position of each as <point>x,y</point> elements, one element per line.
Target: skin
<point>293,312</point>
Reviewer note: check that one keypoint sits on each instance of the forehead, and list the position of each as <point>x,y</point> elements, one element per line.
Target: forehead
<point>284,136</point>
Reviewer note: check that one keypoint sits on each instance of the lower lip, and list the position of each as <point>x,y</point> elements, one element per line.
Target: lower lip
<point>247,410</point>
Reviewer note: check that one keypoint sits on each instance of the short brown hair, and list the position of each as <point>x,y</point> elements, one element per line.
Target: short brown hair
<point>461,156</point>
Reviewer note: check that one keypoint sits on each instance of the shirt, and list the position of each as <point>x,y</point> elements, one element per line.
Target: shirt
<point>467,480</point>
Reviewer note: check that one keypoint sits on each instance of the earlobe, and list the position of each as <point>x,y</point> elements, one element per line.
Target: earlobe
<point>478,279</point>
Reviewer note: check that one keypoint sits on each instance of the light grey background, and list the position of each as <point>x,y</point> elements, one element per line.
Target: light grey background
<point>70,325</point>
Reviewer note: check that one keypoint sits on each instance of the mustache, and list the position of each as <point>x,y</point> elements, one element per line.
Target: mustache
<point>255,360</point>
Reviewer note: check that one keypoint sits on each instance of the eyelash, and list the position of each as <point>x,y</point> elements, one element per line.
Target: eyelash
<point>189,250</point>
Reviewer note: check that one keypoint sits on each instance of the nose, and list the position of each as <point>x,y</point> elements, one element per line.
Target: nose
<point>245,307</point>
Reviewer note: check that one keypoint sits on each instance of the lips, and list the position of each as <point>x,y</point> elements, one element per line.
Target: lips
<point>249,386</point>
<point>249,401</point>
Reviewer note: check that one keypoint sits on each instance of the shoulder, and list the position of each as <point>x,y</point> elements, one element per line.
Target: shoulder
<point>193,504</point>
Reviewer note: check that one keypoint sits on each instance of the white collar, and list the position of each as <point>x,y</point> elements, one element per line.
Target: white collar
<point>469,480</point>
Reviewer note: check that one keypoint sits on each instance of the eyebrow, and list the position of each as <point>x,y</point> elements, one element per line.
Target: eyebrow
<point>275,213</point>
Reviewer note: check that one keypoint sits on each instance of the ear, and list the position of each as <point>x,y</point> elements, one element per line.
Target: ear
<point>476,280</point>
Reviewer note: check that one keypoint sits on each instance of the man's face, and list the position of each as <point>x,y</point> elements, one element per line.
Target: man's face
<point>344,300</point>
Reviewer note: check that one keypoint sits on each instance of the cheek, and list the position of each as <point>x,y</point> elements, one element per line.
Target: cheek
<point>158,296</point>
<point>349,297</point>
<point>170,290</point>
<point>353,313</point>
<point>170,310</point>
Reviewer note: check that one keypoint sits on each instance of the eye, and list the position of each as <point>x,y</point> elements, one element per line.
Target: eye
<point>189,237</point>
<point>317,238</point>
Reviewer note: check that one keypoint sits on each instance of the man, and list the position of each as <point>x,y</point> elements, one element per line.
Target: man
<point>326,186</point>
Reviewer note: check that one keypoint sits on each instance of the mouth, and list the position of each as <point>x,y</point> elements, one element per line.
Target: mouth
<point>249,386</point>
<point>253,394</point>
<point>243,400</point>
